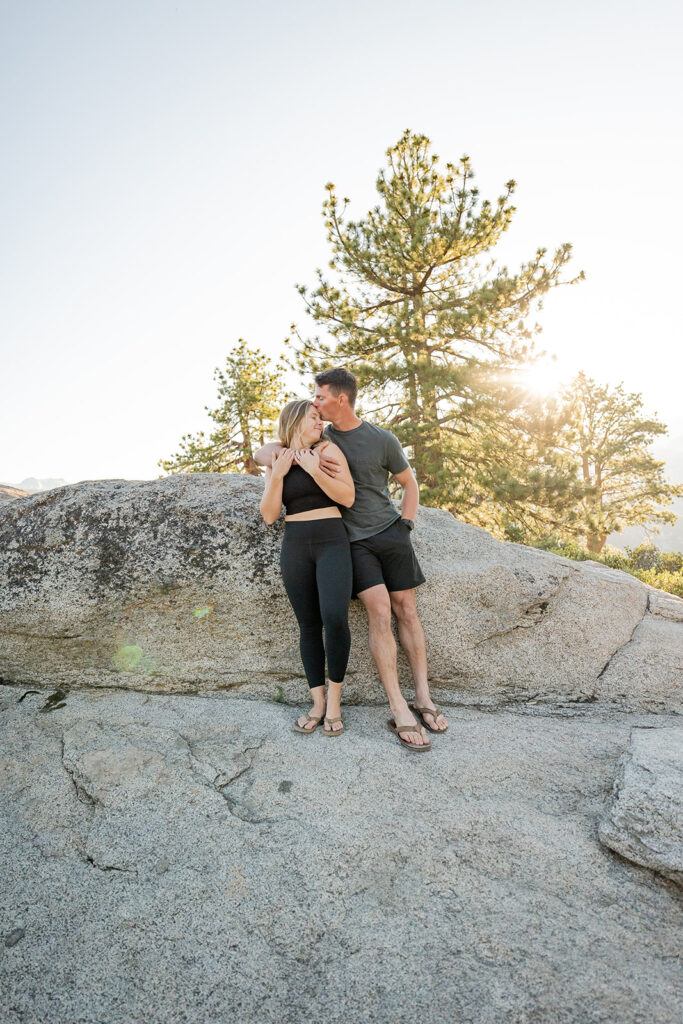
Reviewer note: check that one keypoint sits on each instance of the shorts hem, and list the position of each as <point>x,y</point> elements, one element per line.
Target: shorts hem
<point>392,590</point>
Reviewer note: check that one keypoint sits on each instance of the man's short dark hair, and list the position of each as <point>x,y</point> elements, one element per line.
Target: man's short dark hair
<point>339,379</point>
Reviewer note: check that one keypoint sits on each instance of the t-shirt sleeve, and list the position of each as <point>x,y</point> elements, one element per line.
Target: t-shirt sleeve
<point>395,459</point>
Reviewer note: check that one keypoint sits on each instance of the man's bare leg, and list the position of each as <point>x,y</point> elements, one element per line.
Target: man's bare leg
<point>411,635</point>
<point>383,648</point>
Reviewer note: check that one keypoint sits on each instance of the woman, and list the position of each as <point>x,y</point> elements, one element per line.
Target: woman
<point>315,559</point>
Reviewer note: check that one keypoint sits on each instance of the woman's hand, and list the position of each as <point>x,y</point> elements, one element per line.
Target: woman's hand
<point>308,459</point>
<point>328,463</point>
<point>282,463</point>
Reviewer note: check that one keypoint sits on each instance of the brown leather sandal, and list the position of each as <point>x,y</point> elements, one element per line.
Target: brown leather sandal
<point>405,728</point>
<point>333,732</point>
<point>434,712</point>
<point>309,718</point>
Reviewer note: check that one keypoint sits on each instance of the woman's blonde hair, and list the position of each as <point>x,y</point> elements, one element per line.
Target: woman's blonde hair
<point>290,420</point>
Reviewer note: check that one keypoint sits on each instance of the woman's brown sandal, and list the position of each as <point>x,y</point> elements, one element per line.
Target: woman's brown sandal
<point>408,728</point>
<point>309,718</point>
<point>333,732</point>
<point>434,712</point>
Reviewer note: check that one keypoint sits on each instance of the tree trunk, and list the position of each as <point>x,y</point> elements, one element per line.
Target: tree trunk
<point>250,466</point>
<point>595,542</point>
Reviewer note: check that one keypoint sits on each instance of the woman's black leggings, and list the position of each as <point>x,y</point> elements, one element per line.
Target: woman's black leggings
<point>315,560</point>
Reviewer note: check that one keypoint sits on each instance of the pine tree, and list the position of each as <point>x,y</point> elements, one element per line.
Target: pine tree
<point>608,438</point>
<point>251,394</point>
<point>428,331</point>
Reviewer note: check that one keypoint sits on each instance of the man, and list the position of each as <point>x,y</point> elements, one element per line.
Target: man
<point>385,568</point>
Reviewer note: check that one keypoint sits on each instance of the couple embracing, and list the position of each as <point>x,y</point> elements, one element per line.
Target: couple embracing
<point>343,538</point>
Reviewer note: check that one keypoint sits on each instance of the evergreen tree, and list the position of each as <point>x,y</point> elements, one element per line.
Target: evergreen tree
<point>534,488</point>
<point>251,394</point>
<point>430,333</point>
<point>608,438</point>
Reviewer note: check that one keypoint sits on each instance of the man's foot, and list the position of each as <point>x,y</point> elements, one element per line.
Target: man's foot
<point>431,716</point>
<point>414,732</point>
<point>407,730</point>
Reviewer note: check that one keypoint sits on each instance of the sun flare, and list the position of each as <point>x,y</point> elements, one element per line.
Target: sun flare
<point>543,378</point>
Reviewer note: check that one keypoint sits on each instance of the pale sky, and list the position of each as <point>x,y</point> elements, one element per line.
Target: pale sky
<point>164,166</point>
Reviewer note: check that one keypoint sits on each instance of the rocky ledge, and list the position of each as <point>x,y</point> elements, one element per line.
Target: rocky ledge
<point>173,585</point>
<point>174,859</point>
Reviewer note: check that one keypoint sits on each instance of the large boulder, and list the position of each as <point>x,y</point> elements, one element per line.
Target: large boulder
<point>644,818</point>
<point>173,585</point>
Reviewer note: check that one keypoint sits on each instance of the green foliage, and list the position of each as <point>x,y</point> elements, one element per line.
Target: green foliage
<point>669,581</point>
<point>660,569</point>
<point>670,561</point>
<point>648,556</point>
<point>645,556</point>
<point>561,546</point>
<point>432,334</point>
<point>602,435</point>
<point>610,436</point>
<point>251,394</point>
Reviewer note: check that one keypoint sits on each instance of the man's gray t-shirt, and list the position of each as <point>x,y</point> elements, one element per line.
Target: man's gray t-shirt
<point>373,454</point>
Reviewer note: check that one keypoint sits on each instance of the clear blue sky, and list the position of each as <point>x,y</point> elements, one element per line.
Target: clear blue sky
<point>163,171</point>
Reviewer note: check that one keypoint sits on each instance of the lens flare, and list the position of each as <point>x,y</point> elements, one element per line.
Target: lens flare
<point>127,658</point>
<point>199,613</point>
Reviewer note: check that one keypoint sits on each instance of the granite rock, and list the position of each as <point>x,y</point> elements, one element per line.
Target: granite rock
<point>190,859</point>
<point>173,585</point>
<point>644,818</point>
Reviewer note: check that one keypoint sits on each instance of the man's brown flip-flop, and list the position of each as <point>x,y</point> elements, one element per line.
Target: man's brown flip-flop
<point>434,712</point>
<point>408,728</point>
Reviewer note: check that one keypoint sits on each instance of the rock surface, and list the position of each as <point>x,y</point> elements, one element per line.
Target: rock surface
<point>178,859</point>
<point>173,585</point>
<point>644,820</point>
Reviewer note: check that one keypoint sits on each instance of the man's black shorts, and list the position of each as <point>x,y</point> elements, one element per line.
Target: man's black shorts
<point>387,558</point>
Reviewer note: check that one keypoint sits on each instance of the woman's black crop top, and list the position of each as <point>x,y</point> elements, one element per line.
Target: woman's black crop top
<point>300,492</point>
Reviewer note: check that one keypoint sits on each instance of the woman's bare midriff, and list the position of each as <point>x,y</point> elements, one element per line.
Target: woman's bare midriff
<point>329,512</point>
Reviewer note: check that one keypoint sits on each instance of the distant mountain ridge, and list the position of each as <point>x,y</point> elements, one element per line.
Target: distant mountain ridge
<point>32,485</point>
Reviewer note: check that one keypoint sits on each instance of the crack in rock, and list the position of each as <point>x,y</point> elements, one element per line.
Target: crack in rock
<point>221,780</point>
<point>82,794</point>
<point>626,642</point>
<point>234,806</point>
<point>108,867</point>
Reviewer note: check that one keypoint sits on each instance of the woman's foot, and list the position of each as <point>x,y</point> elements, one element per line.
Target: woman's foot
<point>317,711</point>
<point>333,708</point>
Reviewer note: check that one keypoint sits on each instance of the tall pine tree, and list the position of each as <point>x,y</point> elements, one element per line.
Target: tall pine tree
<point>429,332</point>
<point>607,438</point>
